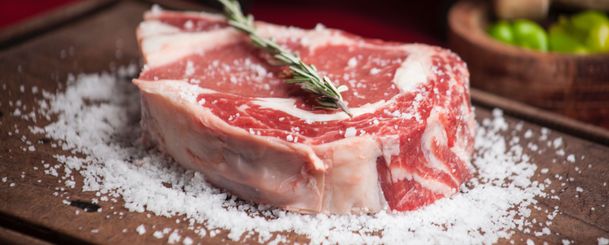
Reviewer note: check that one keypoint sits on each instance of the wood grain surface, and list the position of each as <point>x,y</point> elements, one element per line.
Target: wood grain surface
<point>30,209</point>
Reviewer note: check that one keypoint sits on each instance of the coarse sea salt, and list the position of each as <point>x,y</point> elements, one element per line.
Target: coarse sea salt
<point>97,119</point>
<point>140,230</point>
<point>350,132</point>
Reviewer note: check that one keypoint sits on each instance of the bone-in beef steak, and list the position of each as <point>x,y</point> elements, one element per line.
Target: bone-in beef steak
<point>214,103</point>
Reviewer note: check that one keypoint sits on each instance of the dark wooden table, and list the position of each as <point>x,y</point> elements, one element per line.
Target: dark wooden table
<point>30,55</point>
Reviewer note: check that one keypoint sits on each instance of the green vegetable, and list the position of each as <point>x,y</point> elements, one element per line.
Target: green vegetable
<point>561,41</point>
<point>502,31</point>
<point>583,33</point>
<point>587,20</point>
<point>528,34</point>
<point>598,38</point>
<point>567,26</point>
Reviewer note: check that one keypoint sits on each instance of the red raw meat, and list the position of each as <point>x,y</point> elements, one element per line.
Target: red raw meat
<point>213,102</point>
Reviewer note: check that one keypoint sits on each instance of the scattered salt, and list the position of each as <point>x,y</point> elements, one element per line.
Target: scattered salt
<point>545,131</point>
<point>156,9</point>
<point>158,234</point>
<point>188,25</point>
<point>187,241</point>
<point>557,142</point>
<point>97,118</point>
<point>190,69</point>
<point>352,62</point>
<point>140,229</point>
<point>350,132</point>
<point>319,27</point>
<point>174,237</point>
<point>571,158</point>
<point>374,71</point>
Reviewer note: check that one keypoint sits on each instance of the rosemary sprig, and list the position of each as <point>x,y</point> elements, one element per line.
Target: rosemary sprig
<point>303,74</point>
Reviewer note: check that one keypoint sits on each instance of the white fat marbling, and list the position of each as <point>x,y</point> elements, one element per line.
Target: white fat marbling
<point>434,132</point>
<point>155,27</point>
<point>185,91</point>
<point>288,105</point>
<point>391,147</point>
<point>415,70</point>
<point>165,49</point>
<point>399,174</point>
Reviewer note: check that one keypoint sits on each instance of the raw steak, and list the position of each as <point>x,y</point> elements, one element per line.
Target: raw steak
<point>214,103</point>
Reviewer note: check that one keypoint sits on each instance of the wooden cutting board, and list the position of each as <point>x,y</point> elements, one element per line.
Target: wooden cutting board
<point>86,37</point>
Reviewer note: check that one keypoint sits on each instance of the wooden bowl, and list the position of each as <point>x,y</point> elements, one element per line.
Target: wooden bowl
<point>573,85</point>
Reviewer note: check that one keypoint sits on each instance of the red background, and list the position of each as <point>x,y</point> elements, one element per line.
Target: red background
<point>14,11</point>
<point>396,20</point>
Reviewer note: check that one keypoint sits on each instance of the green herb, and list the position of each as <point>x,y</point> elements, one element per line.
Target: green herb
<point>301,73</point>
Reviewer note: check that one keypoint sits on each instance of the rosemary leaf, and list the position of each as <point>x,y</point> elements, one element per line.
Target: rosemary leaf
<point>328,96</point>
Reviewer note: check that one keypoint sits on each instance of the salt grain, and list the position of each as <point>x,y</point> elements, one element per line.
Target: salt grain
<point>188,25</point>
<point>156,9</point>
<point>174,237</point>
<point>374,71</point>
<point>350,132</point>
<point>140,230</point>
<point>190,69</point>
<point>158,234</point>
<point>352,62</point>
<point>557,143</point>
<point>571,158</point>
